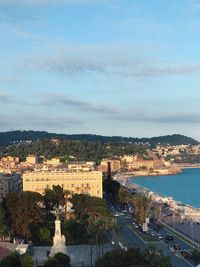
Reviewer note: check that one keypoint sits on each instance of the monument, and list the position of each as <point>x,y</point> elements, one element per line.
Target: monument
<point>58,240</point>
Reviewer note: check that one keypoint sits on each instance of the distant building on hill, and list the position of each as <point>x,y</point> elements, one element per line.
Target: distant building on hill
<point>53,161</point>
<point>55,141</point>
<point>31,159</point>
<point>77,182</point>
<point>115,165</point>
<point>10,159</point>
<point>149,164</point>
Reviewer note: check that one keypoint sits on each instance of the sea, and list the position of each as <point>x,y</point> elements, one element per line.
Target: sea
<point>183,187</point>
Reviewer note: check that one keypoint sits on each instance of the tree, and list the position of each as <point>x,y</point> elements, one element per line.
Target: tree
<point>59,260</point>
<point>140,203</point>
<point>133,258</point>
<point>156,212</point>
<point>23,212</point>
<point>54,198</point>
<point>93,213</point>
<point>75,231</point>
<point>124,195</point>
<point>112,188</point>
<point>13,260</point>
<point>52,262</point>
<point>63,259</point>
<point>44,234</point>
<point>27,261</point>
<point>3,227</point>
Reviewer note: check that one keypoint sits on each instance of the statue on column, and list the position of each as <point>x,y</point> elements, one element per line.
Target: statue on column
<point>58,239</point>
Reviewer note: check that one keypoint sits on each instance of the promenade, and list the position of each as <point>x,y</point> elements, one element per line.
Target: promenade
<point>184,219</point>
<point>188,228</point>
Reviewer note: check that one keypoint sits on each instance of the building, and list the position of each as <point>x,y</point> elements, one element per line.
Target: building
<point>82,182</point>
<point>81,166</point>
<point>129,158</point>
<point>53,161</point>
<point>31,159</point>
<point>9,183</point>
<point>115,165</point>
<point>149,164</point>
<point>10,159</point>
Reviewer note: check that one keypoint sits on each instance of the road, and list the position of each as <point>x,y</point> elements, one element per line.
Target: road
<point>189,228</point>
<point>131,238</point>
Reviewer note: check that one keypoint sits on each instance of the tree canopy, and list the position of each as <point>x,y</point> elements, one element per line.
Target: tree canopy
<point>23,211</point>
<point>133,258</point>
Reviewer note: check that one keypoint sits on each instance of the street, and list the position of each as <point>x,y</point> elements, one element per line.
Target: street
<point>130,238</point>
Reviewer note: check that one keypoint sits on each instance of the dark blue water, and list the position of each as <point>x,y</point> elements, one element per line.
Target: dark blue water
<point>183,187</point>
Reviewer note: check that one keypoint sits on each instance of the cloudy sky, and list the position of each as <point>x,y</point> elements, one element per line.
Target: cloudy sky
<point>110,67</point>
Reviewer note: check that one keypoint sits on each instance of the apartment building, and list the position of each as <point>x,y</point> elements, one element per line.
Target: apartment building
<point>9,183</point>
<point>81,182</point>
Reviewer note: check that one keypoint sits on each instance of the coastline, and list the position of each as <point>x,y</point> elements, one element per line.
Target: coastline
<point>187,165</point>
<point>175,169</point>
<point>189,211</point>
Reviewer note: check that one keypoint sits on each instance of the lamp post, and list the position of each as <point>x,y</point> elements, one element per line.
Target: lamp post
<point>65,196</point>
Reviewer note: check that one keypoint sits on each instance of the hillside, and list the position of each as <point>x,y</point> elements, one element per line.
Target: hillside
<point>7,138</point>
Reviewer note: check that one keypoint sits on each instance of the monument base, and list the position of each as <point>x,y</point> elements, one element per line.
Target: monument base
<point>58,240</point>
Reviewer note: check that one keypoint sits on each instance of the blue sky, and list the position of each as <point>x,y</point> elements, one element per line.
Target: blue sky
<point>110,67</point>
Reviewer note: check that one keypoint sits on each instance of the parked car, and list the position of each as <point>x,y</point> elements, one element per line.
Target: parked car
<point>186,254</point>
<point>169,237</point>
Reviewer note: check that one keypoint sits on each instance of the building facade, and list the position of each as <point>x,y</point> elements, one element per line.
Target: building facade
<point>31,159</point>
<point>115,165</point>
<point>88,182</point>
<point>9,183</point>
<point>53,161</point>
<point>81,166</point>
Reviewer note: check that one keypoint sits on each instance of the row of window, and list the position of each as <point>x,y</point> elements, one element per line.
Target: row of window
<point>76,186</point>
<point>60,179</point>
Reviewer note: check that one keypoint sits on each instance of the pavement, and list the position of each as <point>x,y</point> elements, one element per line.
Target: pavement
<point>80,255</point>
<point>189,228</point>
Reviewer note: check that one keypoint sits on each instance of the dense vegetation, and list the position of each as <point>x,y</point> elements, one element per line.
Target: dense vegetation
<point>29,215</point>
<point>6,138</point>
<point>15,260</point>
<point>73,150</point>
<point>133,257</point>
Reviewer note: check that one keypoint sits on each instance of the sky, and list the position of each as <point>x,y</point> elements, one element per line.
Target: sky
<point>109,67</point>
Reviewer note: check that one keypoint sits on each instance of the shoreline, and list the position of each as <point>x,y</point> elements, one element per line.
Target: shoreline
<point>187,210</point>
<point>177,169</point>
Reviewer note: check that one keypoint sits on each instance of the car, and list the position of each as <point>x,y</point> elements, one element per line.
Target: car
<point>121,214</point>
<point>160,237</point>
<point>116,214</point>
<point>186,254</point>
<point>153,234</point>
<point>124,211</point>
<point>169,237</point>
